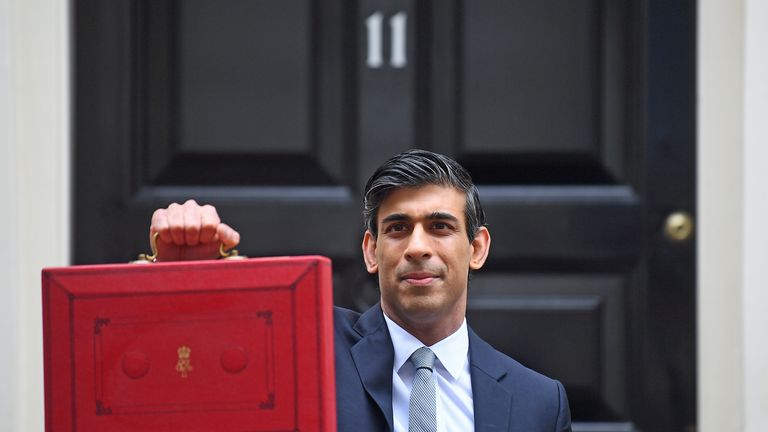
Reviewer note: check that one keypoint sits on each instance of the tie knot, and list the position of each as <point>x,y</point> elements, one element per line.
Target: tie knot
<point>423,358</point>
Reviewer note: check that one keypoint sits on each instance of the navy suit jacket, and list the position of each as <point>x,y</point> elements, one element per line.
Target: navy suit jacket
<point>506,395</point>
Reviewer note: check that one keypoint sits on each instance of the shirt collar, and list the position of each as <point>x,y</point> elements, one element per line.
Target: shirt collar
<point>451,352</point>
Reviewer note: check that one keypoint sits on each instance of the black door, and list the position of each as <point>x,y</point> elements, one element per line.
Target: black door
<point>576,118</point>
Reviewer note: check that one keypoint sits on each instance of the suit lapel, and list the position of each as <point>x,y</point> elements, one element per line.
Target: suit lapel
<point>490,400</point>
<point>373,356</point>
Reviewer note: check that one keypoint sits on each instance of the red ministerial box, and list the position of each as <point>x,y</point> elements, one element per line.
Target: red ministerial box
<point>240,345</point>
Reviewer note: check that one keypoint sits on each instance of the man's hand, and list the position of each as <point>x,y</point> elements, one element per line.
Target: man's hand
<point>190,232</point>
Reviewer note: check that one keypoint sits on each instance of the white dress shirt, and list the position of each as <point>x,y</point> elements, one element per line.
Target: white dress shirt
<point>455,412</point>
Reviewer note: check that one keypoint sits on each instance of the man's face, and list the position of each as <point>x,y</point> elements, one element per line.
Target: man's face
<point>423,256</point>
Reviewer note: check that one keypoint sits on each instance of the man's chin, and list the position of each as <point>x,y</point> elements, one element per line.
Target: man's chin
<point>423,309</point>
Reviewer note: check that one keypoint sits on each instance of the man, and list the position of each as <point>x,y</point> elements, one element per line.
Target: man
<point>425,232</point>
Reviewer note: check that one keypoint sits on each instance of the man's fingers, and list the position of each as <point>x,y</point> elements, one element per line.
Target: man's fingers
<point>209,223</point>
<point>190,231</point>
<point>175,218</point>
<point>192,223</point>
<point>160,225</point>
<point>228,236</point>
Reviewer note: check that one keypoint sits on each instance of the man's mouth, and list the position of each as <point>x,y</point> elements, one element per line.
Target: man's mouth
<point>419,278</point>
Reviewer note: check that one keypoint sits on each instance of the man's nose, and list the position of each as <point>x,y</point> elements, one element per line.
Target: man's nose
<point>418,245</point>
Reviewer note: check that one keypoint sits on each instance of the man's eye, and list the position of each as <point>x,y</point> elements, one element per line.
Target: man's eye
<point>441,226</point>
<point>395,228</point>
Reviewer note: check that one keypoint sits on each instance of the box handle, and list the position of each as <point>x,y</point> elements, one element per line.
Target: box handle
<point>150,258</point>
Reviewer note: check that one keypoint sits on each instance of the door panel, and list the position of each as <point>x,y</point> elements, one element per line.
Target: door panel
<point>270,150</point>
<point>260,65</point>
<point>541,91</point>
<point>544,319</point>
<point>233,96</point>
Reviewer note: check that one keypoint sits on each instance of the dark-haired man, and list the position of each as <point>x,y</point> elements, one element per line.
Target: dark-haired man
<point>410,363</point>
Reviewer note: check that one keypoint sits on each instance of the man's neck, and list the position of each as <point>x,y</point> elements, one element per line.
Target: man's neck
<point>428,332</point>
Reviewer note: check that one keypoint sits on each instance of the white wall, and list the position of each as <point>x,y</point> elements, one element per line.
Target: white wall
<point>9,291</point>
<point>755,231</point>
<point>733,236</point>
<point>34,192</point>
<point>720,202</point>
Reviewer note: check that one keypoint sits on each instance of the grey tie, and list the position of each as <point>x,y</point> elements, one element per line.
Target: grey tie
<point>421,409</point>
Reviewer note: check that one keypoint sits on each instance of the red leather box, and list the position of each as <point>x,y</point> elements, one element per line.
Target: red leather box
<point>240,345</point>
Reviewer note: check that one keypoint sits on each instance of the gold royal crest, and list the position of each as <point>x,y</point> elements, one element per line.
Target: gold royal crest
<point>184,365</point>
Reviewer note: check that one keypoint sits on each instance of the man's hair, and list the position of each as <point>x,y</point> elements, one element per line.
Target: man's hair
<point>415,168</point>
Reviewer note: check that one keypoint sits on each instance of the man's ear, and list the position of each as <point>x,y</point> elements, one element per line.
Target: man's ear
<point>481,245</point>
<point>369,252</point>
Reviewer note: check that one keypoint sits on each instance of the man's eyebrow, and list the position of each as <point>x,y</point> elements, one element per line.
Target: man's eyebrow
<point>443,216</point>
<point>395,217</point>
<point>438,215</point>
